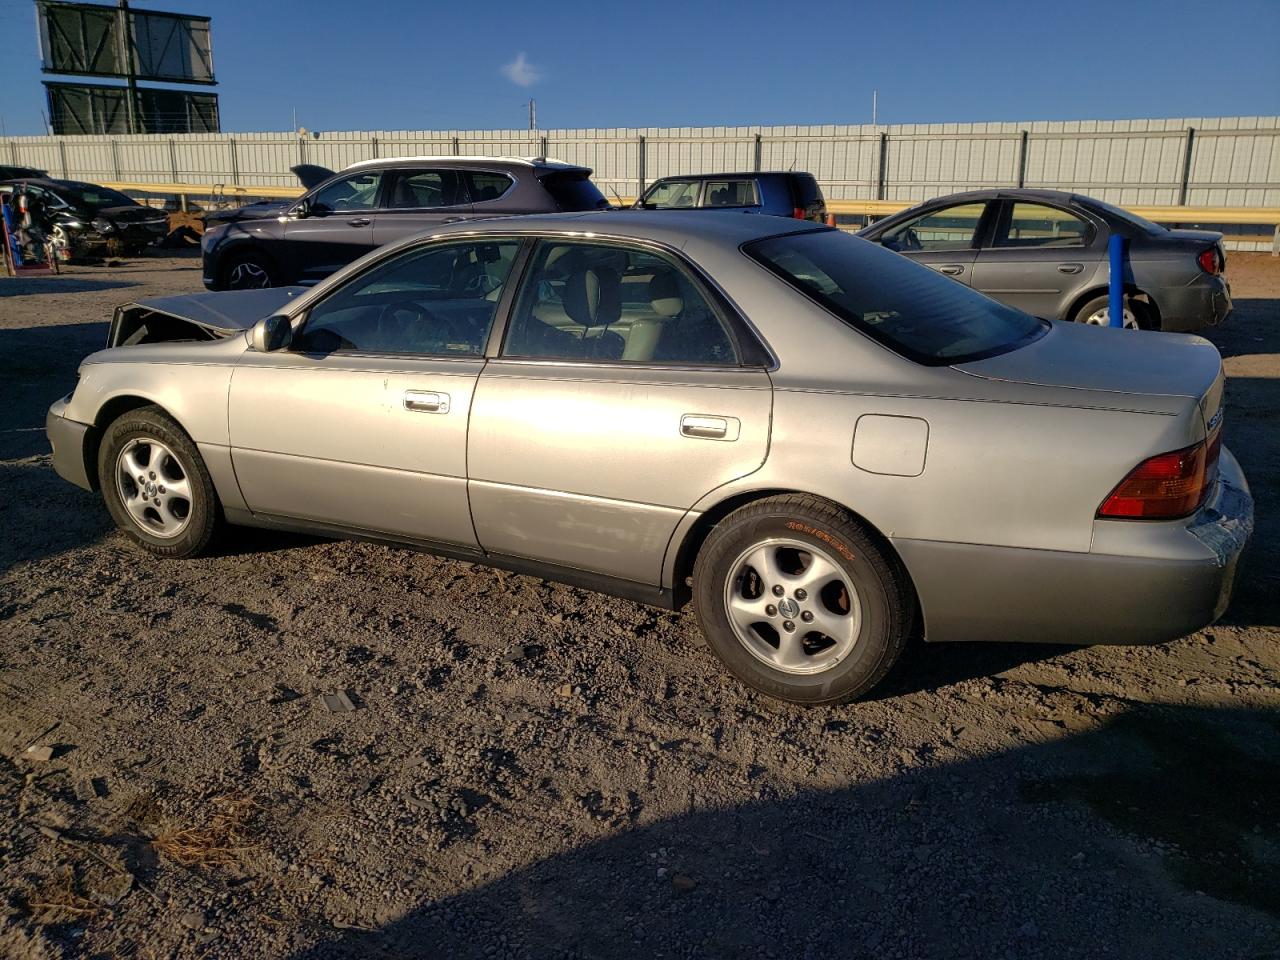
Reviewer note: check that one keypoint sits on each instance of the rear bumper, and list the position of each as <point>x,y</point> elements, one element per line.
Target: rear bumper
<point>69,439</point>
<point>1171,580</point>
<point>1204,302</point>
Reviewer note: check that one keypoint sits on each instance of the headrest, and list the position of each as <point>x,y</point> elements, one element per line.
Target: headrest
<point>593,296</point>
<point>664,294</point>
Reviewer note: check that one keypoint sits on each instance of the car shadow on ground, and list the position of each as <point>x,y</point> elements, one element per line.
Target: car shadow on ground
<point>1125,840</point>
<point>37,286</point>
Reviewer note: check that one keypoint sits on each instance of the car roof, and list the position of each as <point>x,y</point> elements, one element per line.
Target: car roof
<point>672,227</point>
<point>1007,193</point>
<point>737,173</point>
<point>530,162</point>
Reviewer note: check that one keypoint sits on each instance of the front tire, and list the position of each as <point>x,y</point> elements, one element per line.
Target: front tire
<point>156,485</point>
<point>799,601</point>
<point>247,271</point>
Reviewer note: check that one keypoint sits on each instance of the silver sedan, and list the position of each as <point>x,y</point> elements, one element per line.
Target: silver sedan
<point>823,445</point>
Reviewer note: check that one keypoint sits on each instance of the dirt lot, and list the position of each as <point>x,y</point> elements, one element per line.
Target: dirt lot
<point>536,771</point>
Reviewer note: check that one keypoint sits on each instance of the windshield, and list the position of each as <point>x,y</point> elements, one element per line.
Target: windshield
<point>95,197</point>
<point>910,309</point>
<point>1146,226</point>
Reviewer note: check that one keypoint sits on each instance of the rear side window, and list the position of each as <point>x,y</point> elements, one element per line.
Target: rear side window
<point>920,314</point>
<point>1038,225</point>
<point>731,193</point>
<point>573,190</point>
<point>486,185</point>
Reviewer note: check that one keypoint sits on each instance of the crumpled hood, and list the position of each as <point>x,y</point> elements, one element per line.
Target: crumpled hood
<point>228,311</point>
<point>131,213</point>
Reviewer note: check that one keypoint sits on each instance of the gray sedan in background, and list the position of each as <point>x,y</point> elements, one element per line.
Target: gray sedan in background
<point>1045,252</point>
<point>823,445</point>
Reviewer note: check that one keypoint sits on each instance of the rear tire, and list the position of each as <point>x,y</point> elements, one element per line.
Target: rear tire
<point>799,601</point>
<point>156,485</point>
<point>1097,312</point>
<point>247,271</point>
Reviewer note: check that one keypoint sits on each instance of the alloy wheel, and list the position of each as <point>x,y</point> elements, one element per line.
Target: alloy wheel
<point>247,275</point>
<point>154,487</point>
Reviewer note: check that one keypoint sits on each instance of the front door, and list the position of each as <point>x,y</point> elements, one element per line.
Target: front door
<point>945,240</point>
<point>617,402</point>
<point>337,228</point>
<point>362,423</point>
<point>1039,258</point>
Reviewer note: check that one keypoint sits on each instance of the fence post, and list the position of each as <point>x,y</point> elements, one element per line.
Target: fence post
<point>62,156</point>
<point>456,151</point>
<point>173,161</point>
<point>543,146</point>
<point>115,157</point>
<point>235,161</point>
<point>302,149</point>
<point>13,152</point>
<point>1022,159</point>
<point>759,153</point>
<point>373,146</point>
<point>1186,166</point>
<point>640,164</point>
<point>882,166</point>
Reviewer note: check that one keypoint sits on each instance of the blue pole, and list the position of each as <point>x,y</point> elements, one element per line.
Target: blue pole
<point>1115,290</point>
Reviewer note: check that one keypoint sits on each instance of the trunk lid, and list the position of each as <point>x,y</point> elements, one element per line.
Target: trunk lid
<point>1124,362</point>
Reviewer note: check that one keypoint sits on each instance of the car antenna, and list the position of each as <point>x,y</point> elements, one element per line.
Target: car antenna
<point>621,205</point>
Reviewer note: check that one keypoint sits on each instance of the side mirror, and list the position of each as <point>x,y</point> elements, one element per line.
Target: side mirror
<point>302,209</point>
<point>272,333</point>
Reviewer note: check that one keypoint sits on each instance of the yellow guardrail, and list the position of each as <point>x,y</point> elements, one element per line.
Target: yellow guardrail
<point>1247,216</point>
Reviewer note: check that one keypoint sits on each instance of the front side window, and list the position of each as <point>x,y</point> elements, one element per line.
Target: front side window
<point>433,301</point>
<point>591,301</point>
<point>731,193</point>
<point>424,189</point>
<point>487,186</point>
<point>908,307</point>
<point>951,228</point>
<point>1038,225</point>
<point>357,192</point>
<point>672,194</point>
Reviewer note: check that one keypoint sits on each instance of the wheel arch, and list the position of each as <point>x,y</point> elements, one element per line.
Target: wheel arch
<point>111,410</point>
<point>1100,290</point>
<point>691,543</point>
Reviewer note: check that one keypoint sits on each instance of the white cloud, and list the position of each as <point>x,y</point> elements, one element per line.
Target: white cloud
<point>521,72</point>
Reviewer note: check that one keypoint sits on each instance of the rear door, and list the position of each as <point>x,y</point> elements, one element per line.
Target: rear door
<point>420,199</point>
<point>337,228</point>
<point>618,401</point>
<point>1039,257</point>
<point>945,238</point>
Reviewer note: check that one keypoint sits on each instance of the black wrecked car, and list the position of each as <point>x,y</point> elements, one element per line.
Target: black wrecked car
<point>376,202</point>
<point>86,218</point>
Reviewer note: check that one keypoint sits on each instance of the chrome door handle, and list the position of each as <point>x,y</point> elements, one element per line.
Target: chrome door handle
<point>701,427</point>
<point>951,269</point>
<point>1070,267</point>
<point>426,401</point>
<point>359,222</point>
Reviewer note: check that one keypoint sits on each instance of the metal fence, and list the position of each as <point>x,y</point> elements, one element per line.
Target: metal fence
<point>1233,161</point>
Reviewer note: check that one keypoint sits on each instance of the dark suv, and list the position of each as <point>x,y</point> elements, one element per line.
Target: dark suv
<point>379,201</point>
<point>776,194</point>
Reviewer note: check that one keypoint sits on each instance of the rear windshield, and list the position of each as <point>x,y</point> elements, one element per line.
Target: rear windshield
<point>910,309</point>
<point>574,191</point>
<point>1146,226</point>
<point>806,188</point>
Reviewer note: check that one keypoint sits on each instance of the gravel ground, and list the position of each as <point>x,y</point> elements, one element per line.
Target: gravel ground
<point>536,771</point>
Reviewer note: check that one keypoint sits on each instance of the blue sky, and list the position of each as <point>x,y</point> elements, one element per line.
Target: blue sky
<point>419,64</point>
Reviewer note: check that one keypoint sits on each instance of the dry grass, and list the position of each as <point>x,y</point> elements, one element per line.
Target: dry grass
<point>219,841</point>
<point>59,900</point>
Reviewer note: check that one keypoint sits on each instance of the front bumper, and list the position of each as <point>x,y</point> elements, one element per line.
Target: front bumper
<point>1143,582</point>
<point>69,439</point>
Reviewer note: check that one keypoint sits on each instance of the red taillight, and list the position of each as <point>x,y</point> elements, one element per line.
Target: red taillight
<point>1164,487</point>
<point>798,213</point>
<point>1210,262</point>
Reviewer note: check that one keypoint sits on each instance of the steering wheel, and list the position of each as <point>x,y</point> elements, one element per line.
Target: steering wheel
<point>392,325</point>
